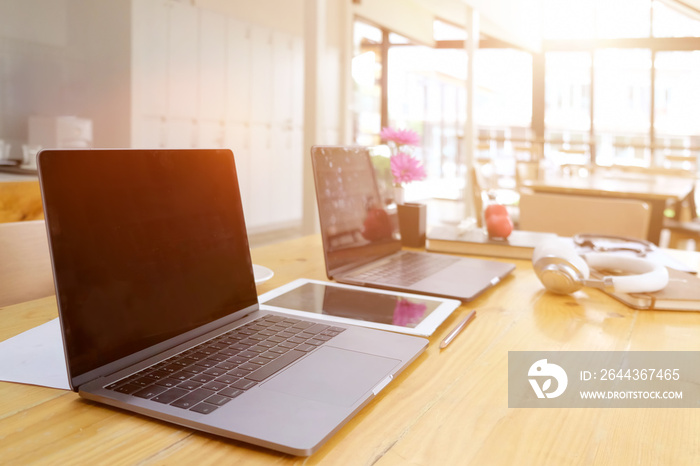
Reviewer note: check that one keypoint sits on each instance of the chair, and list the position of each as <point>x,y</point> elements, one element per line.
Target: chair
<point>682,232</point>
<point>526,171</point>
<point>478,187</point>
<point>25,265</point>
<point>685,225</point>
<point>482,192</point>
<point>521,140</point>
<point>568,215</point>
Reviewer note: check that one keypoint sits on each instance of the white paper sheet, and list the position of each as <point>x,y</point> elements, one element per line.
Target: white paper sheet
<point>35,357</point>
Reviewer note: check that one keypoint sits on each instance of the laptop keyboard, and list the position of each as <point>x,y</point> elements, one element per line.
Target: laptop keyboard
<point>212,373</point>
<point>406,269</point>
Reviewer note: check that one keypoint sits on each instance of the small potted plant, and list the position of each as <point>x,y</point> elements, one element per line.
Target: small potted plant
<point>405,168</point>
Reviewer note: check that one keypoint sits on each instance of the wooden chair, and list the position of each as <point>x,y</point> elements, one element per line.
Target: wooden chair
<point>568,215</point>
<point>684,162</point>
<point>526,170</point>
<point>483,193</point>
<point>685,225</point>
<point>681,232</point>
<point>25,265</point>
<point>478,185</point>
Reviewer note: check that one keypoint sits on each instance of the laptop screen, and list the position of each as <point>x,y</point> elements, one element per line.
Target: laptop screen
<point>356,225</point>
<point>146,245</point>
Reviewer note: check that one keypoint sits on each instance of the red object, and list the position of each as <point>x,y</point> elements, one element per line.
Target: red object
<point>498,222</point>
<point>377,225</point>
<point>495,209</point>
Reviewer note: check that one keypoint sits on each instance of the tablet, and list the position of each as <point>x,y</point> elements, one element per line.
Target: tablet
<point>385,310</point>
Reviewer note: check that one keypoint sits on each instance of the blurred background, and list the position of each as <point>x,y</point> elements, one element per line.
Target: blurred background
<point>569,85</point>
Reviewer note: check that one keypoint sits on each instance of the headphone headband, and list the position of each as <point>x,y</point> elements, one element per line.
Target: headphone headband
<point>648,276</point>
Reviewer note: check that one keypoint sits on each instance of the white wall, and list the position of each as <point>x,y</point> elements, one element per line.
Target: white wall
<point>203,77</point>
<point>176,73</point>
<point>287,16</point>
<point>280,15</point>
<point>64,57</point>
<point>100,33</point>
<point>36,21</point>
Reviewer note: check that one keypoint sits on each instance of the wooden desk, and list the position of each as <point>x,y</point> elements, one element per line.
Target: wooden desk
<point>654,189</point>
<point>449,407</point>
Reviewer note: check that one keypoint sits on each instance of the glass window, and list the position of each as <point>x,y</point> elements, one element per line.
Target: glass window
<point>368,32</point>
<point>622,107</point>
<point>567,107</point>
<point>621,90</point>
<point>426,94</point>
<point>669,22</point>
<point>677,109</point>
<point>503,87</point>
<point>366,75</point>
<point>596,19</point>
<point>445,31</point>
<point>398,39</point>
<point>503,107</point>
<point>568,19</point>
<point>620,19</point>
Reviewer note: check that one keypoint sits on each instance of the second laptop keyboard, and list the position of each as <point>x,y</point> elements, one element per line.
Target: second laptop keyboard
<point>214,372</point>
<point>405,269</point>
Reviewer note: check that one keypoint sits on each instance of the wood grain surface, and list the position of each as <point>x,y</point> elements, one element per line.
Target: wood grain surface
<point>449,407</point>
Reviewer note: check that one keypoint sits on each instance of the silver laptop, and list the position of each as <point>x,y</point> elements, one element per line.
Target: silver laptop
<point>361,242</point>
<point>159,312</point>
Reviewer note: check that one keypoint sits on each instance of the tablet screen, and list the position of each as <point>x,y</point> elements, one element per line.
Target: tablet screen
<point>352,303</point>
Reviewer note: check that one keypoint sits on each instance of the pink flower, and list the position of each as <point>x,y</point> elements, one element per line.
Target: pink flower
<point>405,168</point>
<point>400,137</point>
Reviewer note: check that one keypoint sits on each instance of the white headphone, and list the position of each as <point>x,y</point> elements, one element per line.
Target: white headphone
<point>561,270</point>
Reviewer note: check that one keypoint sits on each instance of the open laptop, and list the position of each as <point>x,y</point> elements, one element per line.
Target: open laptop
<point>159,312</point>
<point>361,242</point>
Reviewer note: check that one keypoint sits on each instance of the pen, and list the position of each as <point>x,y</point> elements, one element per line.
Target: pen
<point>455,331</point>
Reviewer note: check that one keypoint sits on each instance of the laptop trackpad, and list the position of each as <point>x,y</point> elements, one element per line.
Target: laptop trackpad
<point>333,375</point>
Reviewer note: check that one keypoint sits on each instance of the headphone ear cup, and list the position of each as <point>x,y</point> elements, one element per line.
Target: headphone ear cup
<point>561,249</point>
<point>558,266</point>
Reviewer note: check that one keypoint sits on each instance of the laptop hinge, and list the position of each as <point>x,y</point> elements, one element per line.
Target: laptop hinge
<point>186,339</point>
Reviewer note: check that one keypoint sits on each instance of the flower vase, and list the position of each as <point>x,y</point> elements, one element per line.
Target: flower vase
<point>412,224</point>
<point>398,194</point>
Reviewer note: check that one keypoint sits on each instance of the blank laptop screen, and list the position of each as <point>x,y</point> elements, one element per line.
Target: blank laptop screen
<point>146,245</point>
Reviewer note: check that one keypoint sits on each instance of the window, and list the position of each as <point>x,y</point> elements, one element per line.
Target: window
<point>622,19</point>
<point>596,19</point>
<point>613,91</point>
<point>568,19</point>
<point>642,106</point>
<point>668,22</point>
<point>622,106</point>
<point>677,109</point>
<point>427,94</point>
<point>503,107</point>
<point>366,74</point>
<point>567,106</point>
<point>504,88</point>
